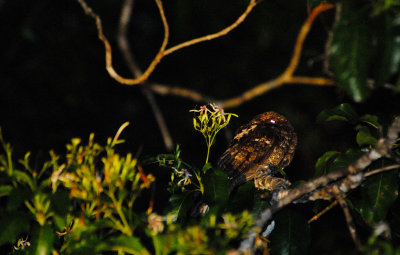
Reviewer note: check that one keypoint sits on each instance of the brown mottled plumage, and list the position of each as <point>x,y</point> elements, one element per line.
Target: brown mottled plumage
<point>259,148</point>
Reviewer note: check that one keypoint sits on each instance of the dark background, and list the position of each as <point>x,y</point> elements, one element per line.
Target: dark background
<point>54,86</point>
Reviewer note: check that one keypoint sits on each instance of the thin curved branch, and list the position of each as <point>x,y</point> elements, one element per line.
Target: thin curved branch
<point>223,32</point>
<point>123,44</point>
<point>272,84</point>
<point>162,52</point>
<point>287,75</point>
<point>382,169</point>
<point>349,220</point>
<point>128,56</point>
<point>164,90</point>
<point>109,67</point>
<point>285,78</point>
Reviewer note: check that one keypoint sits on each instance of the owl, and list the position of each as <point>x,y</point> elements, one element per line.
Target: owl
<point>258,150</point>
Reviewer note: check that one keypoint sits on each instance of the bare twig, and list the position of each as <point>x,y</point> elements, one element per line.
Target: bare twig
<point>380,170</point>
<point>164,90</point>
<point>286,77</point>
<point>128,56</point>
<point>349,220</point>
<point>344,179</point>
<point>162,51</point>
<point>318,215</point>
<point>159,118</point>
<point>109,67</point>
<point>120,129</point>
<point>125,17</point>
<point>221,33</point>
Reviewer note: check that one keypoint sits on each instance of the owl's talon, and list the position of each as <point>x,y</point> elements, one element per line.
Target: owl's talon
<point>271,183</point>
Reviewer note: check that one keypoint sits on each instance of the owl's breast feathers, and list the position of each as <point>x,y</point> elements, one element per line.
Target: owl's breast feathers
<point>265,144</point>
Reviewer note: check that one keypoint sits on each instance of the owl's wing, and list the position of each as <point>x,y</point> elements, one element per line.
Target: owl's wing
<point>251,147</point>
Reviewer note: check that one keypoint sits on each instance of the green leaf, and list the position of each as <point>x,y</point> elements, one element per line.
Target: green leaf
<point>324,161</point>
<point>216,187</point>
<point>291,234</point>
<point>378,194</point>
<point>348,52</point>
<point>206,167</point>
<point>61,203</point>
<point>5,190</point>
<point>345,159</point>
<point>160,244</point>
<point>343,112</point>
<point>42,241</point>
<point>371,120</point>
<point>364,137</point>
<point>179,204</point>
<point>85,238</point>
<point>394,219</point>
<point>128,244</point>
<point>261,202</point>
<point>397,86</point>
<point>12,225</point>
<point>241,198</point>
<point>16,199</point>
<point>387,60</point>
<point>23,177</point>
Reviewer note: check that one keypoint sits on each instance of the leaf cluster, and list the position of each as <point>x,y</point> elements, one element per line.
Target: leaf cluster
<point>377,195</point>
<point>364,48</point>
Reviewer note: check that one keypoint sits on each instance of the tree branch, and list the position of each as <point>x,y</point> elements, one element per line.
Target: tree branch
<point>162,52</point>
<point>221,33</point>
<point>345,180</point>
<point>285,78</point>
<point>128,56</point>
<point>349,220</point>
<point>380,170</point>
<point>287,75</point>
<point>109,67</point>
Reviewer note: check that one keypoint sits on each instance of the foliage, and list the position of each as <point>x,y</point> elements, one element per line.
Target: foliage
<point>92,200</point>
<point>365,46</point>
<point>379,192</point>
<point>210,122</point>
<point>85,202</point>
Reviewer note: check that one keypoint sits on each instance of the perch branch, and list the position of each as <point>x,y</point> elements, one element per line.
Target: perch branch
<point>349,178</point>
<point>367,174</point>
<point>135,70</point>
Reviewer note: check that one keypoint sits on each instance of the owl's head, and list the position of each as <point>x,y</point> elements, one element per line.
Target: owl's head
<point>271,118</point>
